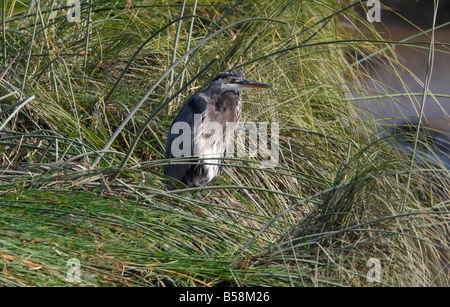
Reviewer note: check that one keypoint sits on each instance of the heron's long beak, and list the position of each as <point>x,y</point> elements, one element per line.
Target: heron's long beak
<point>247,84</point>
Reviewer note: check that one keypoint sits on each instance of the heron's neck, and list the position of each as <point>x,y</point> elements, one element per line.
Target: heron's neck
<point>235,92</point>
<point>228,100</point>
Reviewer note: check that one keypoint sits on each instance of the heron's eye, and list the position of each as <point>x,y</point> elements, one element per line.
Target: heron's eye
<point>230,80</point>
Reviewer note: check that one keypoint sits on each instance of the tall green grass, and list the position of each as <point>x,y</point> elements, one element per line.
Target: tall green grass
<point>85,108</point>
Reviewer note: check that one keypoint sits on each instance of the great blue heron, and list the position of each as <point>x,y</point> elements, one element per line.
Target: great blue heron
<point>217,106</point>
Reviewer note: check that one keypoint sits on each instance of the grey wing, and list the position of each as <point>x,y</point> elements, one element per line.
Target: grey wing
<point>194,105</point>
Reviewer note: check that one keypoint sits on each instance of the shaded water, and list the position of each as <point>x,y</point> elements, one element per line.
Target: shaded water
<point>400,115</point>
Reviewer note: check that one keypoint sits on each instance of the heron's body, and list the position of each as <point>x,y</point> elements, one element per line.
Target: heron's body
<point>218,106</point>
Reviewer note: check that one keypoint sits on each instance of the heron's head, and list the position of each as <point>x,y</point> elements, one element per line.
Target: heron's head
<point>227,81</point>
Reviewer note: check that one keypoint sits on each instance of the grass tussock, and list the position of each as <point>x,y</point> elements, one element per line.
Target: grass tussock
<point>85,106</point>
